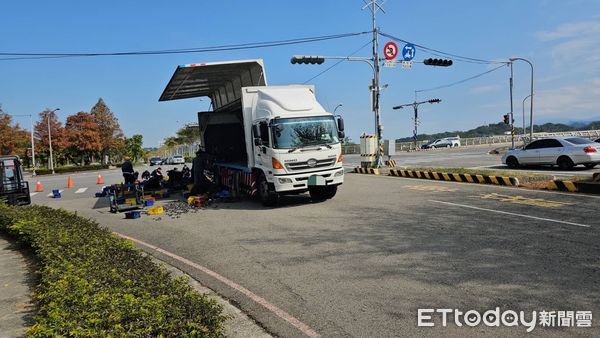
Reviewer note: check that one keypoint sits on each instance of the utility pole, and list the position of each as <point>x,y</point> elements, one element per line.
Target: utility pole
<point>51,164</point>
<point>531,93</point>
<point>32,142</point>
<point>512,118</point>
<point>374,6</point>
<point>415,106</point>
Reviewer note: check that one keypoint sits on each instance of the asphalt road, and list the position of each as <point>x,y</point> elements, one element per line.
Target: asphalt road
<point>474,157</point>
<point>362,263</point>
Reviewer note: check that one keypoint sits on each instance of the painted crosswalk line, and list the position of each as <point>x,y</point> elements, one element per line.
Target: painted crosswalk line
<point>81,190</point>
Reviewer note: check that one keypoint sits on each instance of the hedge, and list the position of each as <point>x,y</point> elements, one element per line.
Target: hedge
<point>72,169</point>
<point>94,284</point>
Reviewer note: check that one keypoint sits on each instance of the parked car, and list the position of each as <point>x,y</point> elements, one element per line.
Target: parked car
<point>177,159</point>
<point>156,161</point>
<point>566,152</point>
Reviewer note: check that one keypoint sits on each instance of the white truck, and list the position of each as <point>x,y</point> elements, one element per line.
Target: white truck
<point>266,140</point>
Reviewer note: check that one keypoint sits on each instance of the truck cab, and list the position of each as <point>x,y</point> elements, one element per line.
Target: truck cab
<point>13,187</point>
<point>272,140</point>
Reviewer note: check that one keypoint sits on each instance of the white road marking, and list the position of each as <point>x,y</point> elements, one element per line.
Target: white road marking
<point>33,194</point>
<point>510,213</point>
<point>305,329</point>
<point>81,190</point>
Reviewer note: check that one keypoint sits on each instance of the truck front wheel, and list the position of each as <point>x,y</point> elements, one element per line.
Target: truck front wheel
<point>322,193</point>
<point>267,195</point>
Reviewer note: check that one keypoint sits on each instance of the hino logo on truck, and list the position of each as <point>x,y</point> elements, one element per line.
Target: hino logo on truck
<point>311,162</point>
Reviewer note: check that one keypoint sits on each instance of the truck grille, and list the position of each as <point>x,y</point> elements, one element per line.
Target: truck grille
<point>304,165</point>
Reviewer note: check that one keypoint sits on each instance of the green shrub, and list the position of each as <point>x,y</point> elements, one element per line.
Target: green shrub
<point>72,169</point>
<point>94,284</point>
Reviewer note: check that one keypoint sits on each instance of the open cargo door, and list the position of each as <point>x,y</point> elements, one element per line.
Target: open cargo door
<point>221,81</point>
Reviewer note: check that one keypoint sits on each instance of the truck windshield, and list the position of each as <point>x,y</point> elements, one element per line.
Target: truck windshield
<point>304,131</point>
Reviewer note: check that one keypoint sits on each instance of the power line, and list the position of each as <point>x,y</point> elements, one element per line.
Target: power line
<point>252,45</point>
<point>459,82</point>
<point>444,54</point>
<point>337,63</point>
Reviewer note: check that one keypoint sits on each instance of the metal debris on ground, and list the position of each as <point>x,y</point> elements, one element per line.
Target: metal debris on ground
<point>175,209</point>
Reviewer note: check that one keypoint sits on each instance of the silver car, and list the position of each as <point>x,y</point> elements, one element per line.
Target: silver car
<point>566,152</point>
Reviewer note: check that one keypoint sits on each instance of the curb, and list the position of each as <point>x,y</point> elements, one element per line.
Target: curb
<point>570,186</point>
<point>453,177</point>
<point>371,171</point>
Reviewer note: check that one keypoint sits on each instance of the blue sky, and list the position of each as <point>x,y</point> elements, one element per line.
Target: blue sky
<point>562,38</point>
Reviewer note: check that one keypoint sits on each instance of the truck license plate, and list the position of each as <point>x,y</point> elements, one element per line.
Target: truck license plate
<point>315,180</point>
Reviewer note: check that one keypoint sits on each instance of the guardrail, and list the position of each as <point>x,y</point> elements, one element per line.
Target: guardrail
<point>190,149</point>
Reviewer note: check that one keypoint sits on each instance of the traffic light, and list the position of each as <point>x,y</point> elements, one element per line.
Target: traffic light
<point>307,59</point>
<point>437,62</point>
<point>507,119</point>
<point>434,101</point>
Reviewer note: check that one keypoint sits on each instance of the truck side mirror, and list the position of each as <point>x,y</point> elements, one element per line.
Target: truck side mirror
<point>340,123</point>
<point>256,134</point>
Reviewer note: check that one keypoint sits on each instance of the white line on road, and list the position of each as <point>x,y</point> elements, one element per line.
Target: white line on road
<point>254,297</point>
<point>510,213</point>
<point>33,194</point>
<point>81,190</point>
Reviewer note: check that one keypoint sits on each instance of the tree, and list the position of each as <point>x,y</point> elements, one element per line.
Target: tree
<point>13,139</point>
<point>59,141</point>
<point>111,135</point>
<point>83,136</point>
<point>133,147</point>
<point>188,134</point>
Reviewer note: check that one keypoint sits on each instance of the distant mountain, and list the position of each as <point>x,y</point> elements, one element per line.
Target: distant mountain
<point>501,128</point>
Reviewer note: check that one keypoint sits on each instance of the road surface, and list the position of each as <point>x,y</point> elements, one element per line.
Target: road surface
<point>363,263</point>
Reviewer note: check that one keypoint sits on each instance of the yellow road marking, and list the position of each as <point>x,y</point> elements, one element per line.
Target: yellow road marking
<point>430,188</point>
<point>539,202</point>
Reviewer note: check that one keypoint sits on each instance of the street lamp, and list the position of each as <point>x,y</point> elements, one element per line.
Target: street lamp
<point>50,139</point>
<point>336,107</point>
<point>531,94</point>
<point>523,113</point>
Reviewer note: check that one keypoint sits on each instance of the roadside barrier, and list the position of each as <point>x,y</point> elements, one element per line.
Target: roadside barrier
<point>372,171</point>
<point>562,185</point>
<point>570,186</point>
<point>454,177</point>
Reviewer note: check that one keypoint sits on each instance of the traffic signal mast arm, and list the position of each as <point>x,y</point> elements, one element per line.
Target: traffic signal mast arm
<point>417,103</point>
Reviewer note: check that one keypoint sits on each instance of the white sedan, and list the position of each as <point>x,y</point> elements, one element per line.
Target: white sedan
<point>566,152</point>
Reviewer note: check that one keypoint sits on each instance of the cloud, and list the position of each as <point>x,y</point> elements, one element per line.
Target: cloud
<point>575,44</point>
<point>484,89</point>
<point>570,101</point>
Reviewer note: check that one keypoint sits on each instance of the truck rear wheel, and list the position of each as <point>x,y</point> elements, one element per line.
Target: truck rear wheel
<point>268,197</point>
<point>322,193</point>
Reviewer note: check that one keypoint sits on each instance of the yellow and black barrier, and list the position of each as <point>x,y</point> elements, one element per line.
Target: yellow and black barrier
<point>390,163</point>
<point>562,186</point>
<point>454,177</point>
<point>573,186</point>
<point>372,171</point>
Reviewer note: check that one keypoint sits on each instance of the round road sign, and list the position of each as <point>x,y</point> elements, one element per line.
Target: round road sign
<point>390,50</point>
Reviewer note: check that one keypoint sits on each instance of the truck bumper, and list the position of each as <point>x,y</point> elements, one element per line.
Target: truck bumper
<point>299,182</point>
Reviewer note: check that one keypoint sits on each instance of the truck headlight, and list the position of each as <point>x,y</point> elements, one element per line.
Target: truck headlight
<point>339,173</point>
<point>284,180</point>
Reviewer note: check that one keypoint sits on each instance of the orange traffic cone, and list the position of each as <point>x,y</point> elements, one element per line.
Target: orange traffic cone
<point>70,183</point>
<point>99,180</point>
<point>39,187</point>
